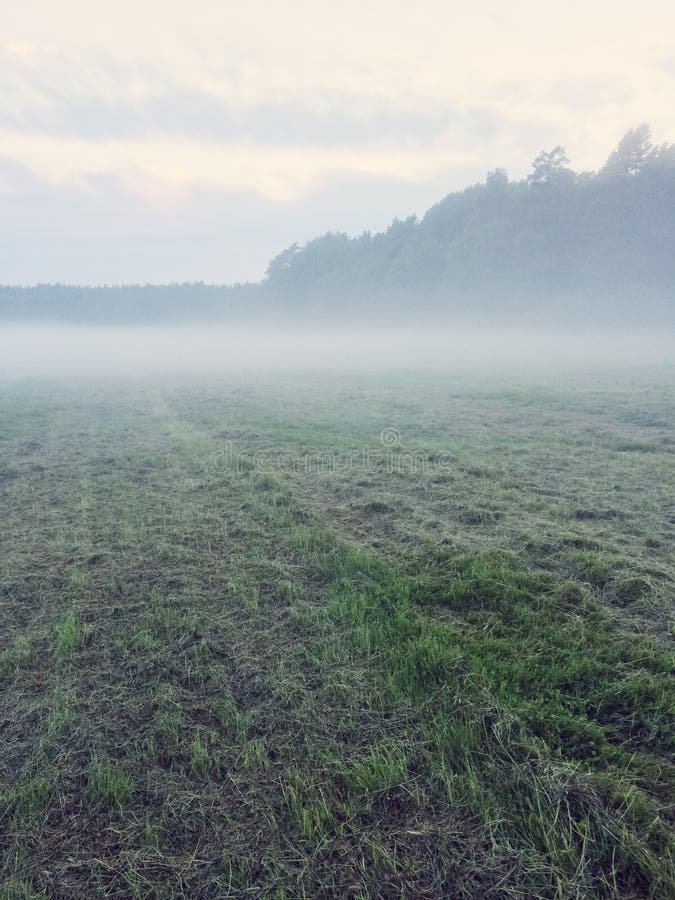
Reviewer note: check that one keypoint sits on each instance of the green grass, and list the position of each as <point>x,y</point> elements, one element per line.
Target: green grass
<point>70,636</point>
<point>355,679</point>
<point>109,786</point>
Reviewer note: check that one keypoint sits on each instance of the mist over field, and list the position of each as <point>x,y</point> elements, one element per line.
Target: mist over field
<point>45,349</point>
<point>337,450</point>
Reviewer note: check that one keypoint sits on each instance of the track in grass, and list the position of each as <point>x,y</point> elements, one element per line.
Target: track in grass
<point>308,638</point>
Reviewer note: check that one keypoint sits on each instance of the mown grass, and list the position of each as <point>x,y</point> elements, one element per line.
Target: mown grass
<point>108,785</point>
<point>535,690</point>
<point>358,681</point>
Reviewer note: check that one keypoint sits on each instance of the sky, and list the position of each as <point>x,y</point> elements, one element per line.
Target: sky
<point>159,141</point>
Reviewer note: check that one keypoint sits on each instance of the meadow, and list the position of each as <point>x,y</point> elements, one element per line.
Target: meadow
<point>310,635</point>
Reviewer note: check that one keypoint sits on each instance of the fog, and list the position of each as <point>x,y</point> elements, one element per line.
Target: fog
<point>47,350</point>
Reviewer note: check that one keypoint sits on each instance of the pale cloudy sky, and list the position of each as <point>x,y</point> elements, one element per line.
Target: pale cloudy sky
<point>157,140</point>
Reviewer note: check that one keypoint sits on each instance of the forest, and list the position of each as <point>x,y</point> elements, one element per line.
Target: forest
<point>558,246</point>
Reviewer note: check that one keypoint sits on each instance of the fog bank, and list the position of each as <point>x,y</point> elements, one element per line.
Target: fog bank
<point>37,350</point>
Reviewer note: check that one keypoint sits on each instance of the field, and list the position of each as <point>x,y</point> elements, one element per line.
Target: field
<point>311,636</point>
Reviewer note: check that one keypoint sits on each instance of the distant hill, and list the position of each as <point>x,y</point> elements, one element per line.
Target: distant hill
<point>559,246</point>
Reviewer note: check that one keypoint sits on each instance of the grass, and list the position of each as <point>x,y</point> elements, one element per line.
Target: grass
<point>109,786</point>
<point>364,678</point>
<point>69,636</point>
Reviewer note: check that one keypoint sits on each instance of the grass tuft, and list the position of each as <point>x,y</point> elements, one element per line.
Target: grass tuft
<point>108,785</point>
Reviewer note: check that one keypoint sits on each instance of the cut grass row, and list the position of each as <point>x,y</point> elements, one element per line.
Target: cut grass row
<point>268,708</point>
<point>540,716</point>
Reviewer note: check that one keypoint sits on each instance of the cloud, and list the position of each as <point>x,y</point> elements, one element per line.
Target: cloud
<point>69,116</point>
<point>102,228</point>
<point>250,125</point>
<point>24,51</point>
<point>328,121</point>
<point>99,100</point>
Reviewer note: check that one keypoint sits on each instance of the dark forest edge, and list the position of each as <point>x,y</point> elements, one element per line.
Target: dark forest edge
<point>559,247</point>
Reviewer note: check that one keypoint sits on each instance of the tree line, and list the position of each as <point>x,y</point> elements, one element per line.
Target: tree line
<point>557,245</point>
